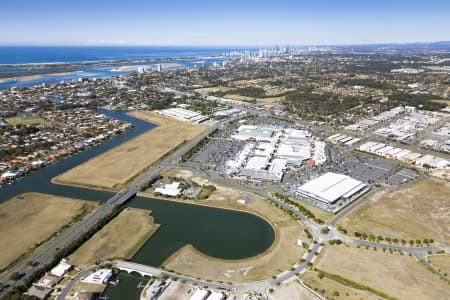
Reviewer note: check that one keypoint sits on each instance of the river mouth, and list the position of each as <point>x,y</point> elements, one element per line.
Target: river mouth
<point>216,232</point>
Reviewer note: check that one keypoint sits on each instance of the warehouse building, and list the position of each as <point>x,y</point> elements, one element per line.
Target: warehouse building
<point>251,132</point>
<point>331,187</point>
<point>184,115</point>
<point>199,295</point>
<point>294,154</point>
<point>271,149</point>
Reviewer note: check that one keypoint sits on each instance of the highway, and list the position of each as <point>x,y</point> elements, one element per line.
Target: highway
<point>45,254</point>
<point>261,286</point>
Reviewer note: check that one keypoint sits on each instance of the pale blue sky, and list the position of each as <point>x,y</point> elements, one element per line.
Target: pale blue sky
<point>232,22</point>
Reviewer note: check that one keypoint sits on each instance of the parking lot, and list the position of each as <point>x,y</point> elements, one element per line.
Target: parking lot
<point>371,170</point>
<point>402,176</point>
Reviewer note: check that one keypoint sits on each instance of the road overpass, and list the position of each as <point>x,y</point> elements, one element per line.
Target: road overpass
<point>45,254</point>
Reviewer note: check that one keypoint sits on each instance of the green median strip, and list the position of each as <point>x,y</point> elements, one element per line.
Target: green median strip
<point>355,285</point>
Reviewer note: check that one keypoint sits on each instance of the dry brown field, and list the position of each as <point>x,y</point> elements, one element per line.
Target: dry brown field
<point>419,211</point>
<point>400,276</point>
<point>116,167</point>
<point>29,219</point>
<point>120,238</point>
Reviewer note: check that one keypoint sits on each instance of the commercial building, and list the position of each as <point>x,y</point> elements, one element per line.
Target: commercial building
<point>330,188</point>
<point>265,171</point>
<point>367,146</point>
<point>432,161</point>
<point>319,156</point>
<point>352,141</point>
<point>411,157</point>
<point>264,149</point>
<point>384,116</point>
<point>172,189</point>
<point>405,155</point>
<point>199,295</point>
<point>156,289</point>
<point>258,133</point>
<point>294,154</point>
<point>409,125</point>
<point>270,150</point>
<point>43,288</point>
<point>401,154</point>
<point>184,115</point>
<point>61,268</point>
<point>393,152</point>
<point>228,113</point>
<point>384,150</point>
<point>216,296</point>
<point>99,277</point>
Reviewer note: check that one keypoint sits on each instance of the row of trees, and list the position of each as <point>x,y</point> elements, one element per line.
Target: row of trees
<point>307,213</point>
<point>379,238</point>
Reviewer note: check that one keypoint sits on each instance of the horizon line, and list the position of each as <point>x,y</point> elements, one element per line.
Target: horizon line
<point>222,46</point>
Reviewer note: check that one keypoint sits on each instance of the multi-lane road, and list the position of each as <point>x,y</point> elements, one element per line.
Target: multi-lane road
<point>45,254</point>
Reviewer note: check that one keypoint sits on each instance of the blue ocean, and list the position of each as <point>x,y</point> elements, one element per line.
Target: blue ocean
<point>32,55</point>
<point>19,60</point>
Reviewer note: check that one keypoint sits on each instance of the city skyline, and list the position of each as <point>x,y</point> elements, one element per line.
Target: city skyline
<point>201,23</point>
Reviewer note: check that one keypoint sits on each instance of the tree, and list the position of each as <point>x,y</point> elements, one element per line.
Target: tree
<point>15,276</point>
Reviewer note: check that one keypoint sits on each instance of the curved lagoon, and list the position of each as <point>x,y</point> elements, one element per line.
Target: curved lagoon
<point>216,232</point>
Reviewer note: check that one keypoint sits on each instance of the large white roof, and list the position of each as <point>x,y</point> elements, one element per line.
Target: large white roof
<point>331,186</point>
<point>60,269</point>
<point>216,296</point>
<point>199,295</point>
<point>257,163</point>
<point>299,152</point>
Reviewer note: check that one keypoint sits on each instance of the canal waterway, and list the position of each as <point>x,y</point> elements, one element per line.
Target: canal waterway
<point>40,180</point>
<point>215,232</point>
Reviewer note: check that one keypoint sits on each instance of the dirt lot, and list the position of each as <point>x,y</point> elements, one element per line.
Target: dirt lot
<point>276,101</point>
<point>180,173</point>
<point>34,218</point>
<point>116,167</point>
<point>122,237</point>
<point>442,101</point>
<point>400,276</point>
<point>279,257</point>
<point>82,286</point>
<point>290,290</point>
<point>419,211</point>
<point>213,89</point>
<point>441,262</point>
<point>20,121</point>
<point>238,97</point>
<point>177,290</point>
<point>327,287</point>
